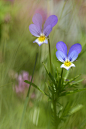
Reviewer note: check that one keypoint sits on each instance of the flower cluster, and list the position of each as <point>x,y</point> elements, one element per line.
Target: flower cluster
<point>67,59</point>
<point>42,33</point>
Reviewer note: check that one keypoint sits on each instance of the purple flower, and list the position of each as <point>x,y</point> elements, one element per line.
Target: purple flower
<point>36,28</point>
<point>67,59</point>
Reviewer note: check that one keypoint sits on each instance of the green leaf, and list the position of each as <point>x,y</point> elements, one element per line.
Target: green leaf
<point>74,84</point>
<point>72,80</point>
<point>72,92</point>
<point>77,82</point>
<point>49,74</point>
<point>34,86</point>
<point>75,109</point>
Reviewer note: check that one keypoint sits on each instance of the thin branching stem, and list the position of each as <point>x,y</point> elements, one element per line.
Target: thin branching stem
<point>49,54</point>
<point>32,75</point>
<point>27,97</point>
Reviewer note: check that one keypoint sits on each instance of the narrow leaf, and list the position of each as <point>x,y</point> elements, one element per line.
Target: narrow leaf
<point>72,92</point>
<point>49,74</point>
<point>75,109</point>
<point>34,86</point>
<point>72,80</point>
<point>77,82</point>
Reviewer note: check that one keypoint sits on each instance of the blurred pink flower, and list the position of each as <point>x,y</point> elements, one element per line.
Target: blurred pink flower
<point>12,1</point>
<point>43,13</point>
<point>7,18</point>
<point>21,85</point>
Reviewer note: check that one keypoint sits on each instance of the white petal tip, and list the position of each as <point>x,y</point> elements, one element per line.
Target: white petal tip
<point>67,68</point>
<point>40,43</point>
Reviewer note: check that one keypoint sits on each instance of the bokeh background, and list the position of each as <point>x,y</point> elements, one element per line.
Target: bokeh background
<point>17,58</point>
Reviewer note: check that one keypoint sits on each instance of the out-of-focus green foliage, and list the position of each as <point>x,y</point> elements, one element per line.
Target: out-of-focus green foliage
<point>17,53</point>
<point>4,8</point>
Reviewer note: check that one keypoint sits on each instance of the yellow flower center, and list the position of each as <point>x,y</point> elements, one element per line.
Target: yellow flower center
<point>67,63</point>
<point>42,38</point>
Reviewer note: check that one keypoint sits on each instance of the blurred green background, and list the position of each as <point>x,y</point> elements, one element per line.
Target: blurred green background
<point>17,57</point>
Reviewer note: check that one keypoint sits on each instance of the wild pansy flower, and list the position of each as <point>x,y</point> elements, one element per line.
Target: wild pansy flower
<point>42,33</point>
<point>67,59</point>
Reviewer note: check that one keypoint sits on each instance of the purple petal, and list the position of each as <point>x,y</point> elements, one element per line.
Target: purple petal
<point>47,30</point>
<point>73,56</point>
<point>61,56</point>
<point>37,20</point>
<point>62,47</point>
<point>77,47</point>
<point>34,30</point>
<point>51,20</point>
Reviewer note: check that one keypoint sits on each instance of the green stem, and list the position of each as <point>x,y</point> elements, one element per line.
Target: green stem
<point>27,97</point>
<point>61,73</point>
<point>32,76</point>
<point>61,76</point>
<point>55,114</point>
<point>23,113</point>
<point>49,54</point>
<point>60,80</point>
<point>53,99</point>
<point>66,75</point>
